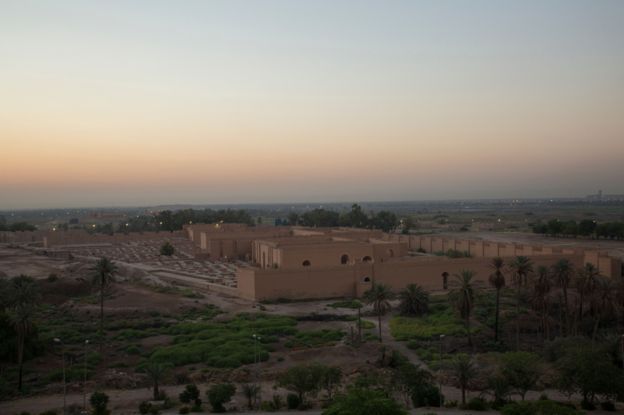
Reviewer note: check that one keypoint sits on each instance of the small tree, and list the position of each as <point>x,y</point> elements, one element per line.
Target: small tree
<point>302,379</point>
<point>330,380</point>
<point>167,249</point>
<point>521,370</point>
<point>251,392</point>
<point>156,371</point>
<point>220,394</point>
<point>99,403</point>
<point>379,296</point>
<point>464,372</point>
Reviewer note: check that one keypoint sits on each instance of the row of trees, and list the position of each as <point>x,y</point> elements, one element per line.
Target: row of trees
<point>585,227</point>
<point>355,218</point>
<point>15,226</point>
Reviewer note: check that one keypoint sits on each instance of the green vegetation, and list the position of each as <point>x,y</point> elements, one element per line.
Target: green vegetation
<point>220,394</point>
<point>414,301</point>
<point>227,344</point>
<point>453,253</point>
<point>353,304</point>
<point>379,297</point>
<point>585,227</point>
<point>440,320</point>
<point>324,337</point>
<point>167,249</point>
<point>359,401</point>
<point>542,407</point>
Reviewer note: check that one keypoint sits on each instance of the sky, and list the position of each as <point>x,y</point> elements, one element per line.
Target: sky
<point>129,103</point>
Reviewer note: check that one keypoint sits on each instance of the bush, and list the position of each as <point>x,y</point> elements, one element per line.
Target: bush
<point>538,408</point>
<point>317,338</point>
<point>145,407</point>
<point>52,277</point>
<point>476,404</point>
<point>99,403</point>
<point>607,406</point>
<point>353,304</point>
<point>167,249</point>
<point>184,410</point>
<point>220,394</point>
<point>360,401</point>
<point>292,401</point>
<point>49,412</point>
<point>190,393</point>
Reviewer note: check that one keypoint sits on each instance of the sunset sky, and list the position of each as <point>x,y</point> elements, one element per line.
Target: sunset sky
<point>115,103</point>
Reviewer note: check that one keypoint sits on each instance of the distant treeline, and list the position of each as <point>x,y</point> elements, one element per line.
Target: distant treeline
<point>15,227</point>
<point>586,227</point>
<point>355,218</point>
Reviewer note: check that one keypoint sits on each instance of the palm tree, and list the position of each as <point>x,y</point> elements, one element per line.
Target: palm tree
<point>156,372</point>
<point>541,291</point>
<point>497,280</point>
<point>379,296</point>
<point>414,301</point>
<point>22,304</point>
<point>522,267</point>
<point>586,282</point>
<point>562,271</point>
<point>103,277</point>
<point>464,370</point>
<point>462,297</point>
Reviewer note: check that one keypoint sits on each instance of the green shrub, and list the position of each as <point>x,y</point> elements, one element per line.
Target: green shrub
<point>292,401</point>
<point>99,403</point>
<point>189,394</point>
<point>476,404</point>
<point>538,408</point>
<point>145,407</point>
<point>133,350</point>
<point>167,249</point>
<point>184,410</point>
<point>220,394</point>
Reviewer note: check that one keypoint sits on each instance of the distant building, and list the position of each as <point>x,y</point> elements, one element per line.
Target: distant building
<point>599,197</point>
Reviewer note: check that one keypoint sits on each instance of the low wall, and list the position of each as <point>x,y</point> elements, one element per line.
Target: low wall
<point>328,282</point>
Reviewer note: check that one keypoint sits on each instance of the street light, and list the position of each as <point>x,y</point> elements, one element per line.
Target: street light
<point>84,385</point>
<point>440,376</point>
<point>59,341</point>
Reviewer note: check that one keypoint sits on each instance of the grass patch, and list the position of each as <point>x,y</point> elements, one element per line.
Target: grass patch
<point>315,338</point>
<point>225,344</point>
<point>441,320</point>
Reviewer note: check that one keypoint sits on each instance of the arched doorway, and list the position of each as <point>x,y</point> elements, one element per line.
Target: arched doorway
<point>344,259</point>
<point>306,263</point>
<point>367,259</point>
<point>445,276</point>
<point>390,253</point>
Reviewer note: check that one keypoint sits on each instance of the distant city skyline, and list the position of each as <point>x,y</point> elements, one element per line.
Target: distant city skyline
<point>151,103</point>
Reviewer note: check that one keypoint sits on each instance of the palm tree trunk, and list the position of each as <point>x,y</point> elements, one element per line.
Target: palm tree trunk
<point>463,389</point>
<point>518,319</point>
<point>379,323</point>
<point>156,391</point>
<point>20,358</point>
<point>566,310</point>
<point>468,330</point>
<point>101,317</point>
<point>497,313</point>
